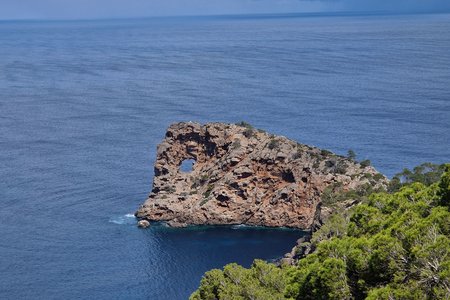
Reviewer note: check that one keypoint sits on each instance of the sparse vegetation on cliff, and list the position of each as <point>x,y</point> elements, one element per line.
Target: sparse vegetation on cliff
<point>242,175</point>
<point>273,143</point>
<point>365,163</point>
<point>391,246</point>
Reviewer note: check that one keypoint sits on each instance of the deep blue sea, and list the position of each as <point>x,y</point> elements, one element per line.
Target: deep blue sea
<point>83,105</point>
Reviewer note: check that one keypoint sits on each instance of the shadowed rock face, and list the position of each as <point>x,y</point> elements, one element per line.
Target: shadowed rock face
<point>242,176</point>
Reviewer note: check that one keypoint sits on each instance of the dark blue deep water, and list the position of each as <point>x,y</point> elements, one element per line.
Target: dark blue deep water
<point>84,104</point>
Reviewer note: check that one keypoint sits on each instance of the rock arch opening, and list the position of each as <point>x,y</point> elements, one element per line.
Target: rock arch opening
<point>187,165</point>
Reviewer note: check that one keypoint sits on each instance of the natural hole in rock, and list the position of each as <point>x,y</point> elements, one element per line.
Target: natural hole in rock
<point>187,165</point>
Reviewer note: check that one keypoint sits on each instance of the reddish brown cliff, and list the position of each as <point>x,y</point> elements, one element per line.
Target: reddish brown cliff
<point>242,176</point>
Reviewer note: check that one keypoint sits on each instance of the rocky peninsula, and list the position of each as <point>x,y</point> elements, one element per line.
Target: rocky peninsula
<point>242,175</point>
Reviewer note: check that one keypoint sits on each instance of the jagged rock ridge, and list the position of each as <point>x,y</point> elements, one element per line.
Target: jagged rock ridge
<point>242,176</point>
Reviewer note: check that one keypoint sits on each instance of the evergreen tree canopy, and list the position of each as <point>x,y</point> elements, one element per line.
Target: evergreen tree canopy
<point>392,246</point>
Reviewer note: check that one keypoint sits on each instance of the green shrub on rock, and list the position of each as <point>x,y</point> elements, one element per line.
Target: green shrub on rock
<point>273,144</point>
<point>365,163</point>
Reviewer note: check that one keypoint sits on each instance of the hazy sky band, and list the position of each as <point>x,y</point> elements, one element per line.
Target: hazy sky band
<point>88,9</point>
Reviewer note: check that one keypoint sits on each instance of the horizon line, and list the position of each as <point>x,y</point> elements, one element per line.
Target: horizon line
<point>237,16</point>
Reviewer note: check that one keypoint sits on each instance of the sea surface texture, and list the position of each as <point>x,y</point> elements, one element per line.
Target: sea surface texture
<point>84,104</point>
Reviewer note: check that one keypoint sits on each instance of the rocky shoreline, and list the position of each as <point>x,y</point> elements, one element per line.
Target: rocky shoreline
<point>242,175</point>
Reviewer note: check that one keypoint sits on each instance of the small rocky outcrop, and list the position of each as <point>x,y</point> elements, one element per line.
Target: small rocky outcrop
<point>143,224</point>
<point>242,175</point>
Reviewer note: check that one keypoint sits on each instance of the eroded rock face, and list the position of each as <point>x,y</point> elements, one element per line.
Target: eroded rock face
<point>242,176</point>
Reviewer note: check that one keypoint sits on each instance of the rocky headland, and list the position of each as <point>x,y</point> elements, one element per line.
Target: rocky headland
<point>242,175</point>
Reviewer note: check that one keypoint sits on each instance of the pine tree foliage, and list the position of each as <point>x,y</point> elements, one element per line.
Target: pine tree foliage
<point>392,246</point>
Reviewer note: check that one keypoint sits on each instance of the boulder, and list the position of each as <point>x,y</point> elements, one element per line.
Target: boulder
<point>143,224</point>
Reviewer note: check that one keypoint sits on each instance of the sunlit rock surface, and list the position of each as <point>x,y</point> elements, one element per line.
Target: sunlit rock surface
<point>242,175</point>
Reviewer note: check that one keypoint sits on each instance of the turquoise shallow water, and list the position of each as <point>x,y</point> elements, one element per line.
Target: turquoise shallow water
<point>84,104</point>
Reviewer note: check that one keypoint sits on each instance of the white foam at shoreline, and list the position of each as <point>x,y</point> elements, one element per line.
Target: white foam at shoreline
<point>124,219</point>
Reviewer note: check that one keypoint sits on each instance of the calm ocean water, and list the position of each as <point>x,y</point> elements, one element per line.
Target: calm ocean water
<point>84,104</point>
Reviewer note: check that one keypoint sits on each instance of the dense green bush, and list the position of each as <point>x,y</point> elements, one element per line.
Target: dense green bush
<point>426,173</point>
<point>244,124</point>
<point>261,281</point>
<point>351,154</point>
<point>326,153</point>
<point>336,165</point>
<point>365,163</point>
<point>392,246</point>
<point>249,133</point>
<point>273,143</point>
<point>335,193</point>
